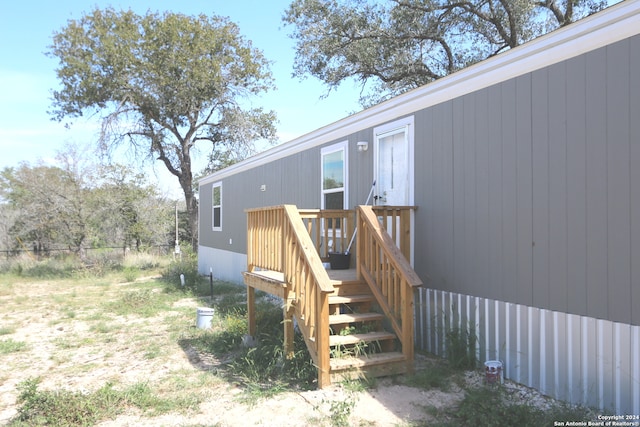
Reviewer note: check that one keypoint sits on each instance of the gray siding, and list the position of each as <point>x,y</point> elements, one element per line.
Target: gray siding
<point>528,191</point>
<point>291,180</point>
<point>634,174</point>
<point>243,191</point>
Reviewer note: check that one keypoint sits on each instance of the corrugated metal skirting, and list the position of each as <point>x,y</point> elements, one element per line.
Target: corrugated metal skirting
<point>577,359</point>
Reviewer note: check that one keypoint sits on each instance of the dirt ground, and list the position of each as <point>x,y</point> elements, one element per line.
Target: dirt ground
<point>71,345</point>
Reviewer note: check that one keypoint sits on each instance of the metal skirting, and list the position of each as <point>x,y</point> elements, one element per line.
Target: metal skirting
<point>577,359</point>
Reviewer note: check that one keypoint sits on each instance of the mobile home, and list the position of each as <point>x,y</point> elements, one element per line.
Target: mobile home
<point>523,177</point>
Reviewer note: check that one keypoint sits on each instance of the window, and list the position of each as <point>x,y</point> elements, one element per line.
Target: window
<point>334,176</point>
<point>216,207</point>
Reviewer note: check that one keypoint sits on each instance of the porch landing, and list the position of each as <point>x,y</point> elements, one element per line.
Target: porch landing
<point>273,282</point>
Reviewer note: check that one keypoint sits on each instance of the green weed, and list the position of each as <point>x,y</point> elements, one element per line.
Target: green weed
<point>130,274</point>
<point>226,288</point>
<point>340,412</point>
<point>461,348</point>
<point>489,406</point>
<point>143,397</point>
<point>72,341</point>
<point>152,351</point>
<point>140,302</point>
<point>103,328</point>
<point>10,346</point>
<point>66,408</point>
<point>264,369</point>
<point>7,330</point>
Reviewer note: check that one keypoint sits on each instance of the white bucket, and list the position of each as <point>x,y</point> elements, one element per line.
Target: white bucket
<point>204,316</point>
<point>493,371</point>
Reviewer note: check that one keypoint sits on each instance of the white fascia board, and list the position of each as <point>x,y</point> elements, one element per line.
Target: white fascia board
<point>613,24</point>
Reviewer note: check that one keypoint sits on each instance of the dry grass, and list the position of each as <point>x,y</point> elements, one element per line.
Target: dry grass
<point>120,348</point>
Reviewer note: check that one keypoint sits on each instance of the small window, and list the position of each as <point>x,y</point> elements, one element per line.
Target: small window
<point>334,176</point>
<point>334,184</point>
<point>216,207</point>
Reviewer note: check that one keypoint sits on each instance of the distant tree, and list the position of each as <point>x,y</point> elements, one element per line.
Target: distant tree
<point>127,210</point>
<point>398,45</point>
<point>52,207</point>
<point>78,205</point>
<point>163,84</point>
<point>8,217</point>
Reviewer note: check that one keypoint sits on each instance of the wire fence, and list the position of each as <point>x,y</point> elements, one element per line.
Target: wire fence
<point>159,250</point>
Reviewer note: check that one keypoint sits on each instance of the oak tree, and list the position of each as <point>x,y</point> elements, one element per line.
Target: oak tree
<point>397,45</point>
<point>164,85</point>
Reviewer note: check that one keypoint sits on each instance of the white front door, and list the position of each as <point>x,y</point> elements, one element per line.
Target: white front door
<point>392,168</point>
<point>393,164</point>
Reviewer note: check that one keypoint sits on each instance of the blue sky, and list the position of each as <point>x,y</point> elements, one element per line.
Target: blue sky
<point>27,75</point>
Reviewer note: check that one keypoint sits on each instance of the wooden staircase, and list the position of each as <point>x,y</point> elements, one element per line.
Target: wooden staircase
<point>356,322</point>
<point>358,341</point>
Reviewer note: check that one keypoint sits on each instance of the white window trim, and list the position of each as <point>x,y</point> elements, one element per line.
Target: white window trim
<point>213,207</point>
<point>344,146</point>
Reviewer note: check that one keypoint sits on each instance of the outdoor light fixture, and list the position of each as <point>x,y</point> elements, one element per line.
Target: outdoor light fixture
<point>362,146</point>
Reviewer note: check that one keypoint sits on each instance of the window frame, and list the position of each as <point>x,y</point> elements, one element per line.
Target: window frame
<point>216,185</point>
<point>331,149</point>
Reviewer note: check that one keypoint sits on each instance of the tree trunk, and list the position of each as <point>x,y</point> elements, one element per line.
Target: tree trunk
<point>192,211</point>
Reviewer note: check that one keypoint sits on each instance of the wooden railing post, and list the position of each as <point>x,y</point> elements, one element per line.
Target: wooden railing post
<point>289,333</point>
<point>322,334</point>
<point>407,324</point>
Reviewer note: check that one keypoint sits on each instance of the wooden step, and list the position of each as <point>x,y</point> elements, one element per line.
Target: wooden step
<point>360,288</point>
<point>343,277</point>
<point>372,365</point>
<point>357,338</point>
<point>366,360</point>
<point>338,319</point>
<point>350,299</point>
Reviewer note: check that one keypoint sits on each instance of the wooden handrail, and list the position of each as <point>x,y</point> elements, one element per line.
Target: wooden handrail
<point>389,275</point>
<point>303,246</point>
<point>279,240</point>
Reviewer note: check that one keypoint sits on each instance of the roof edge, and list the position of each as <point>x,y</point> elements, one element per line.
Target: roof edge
<point>583,36</point>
